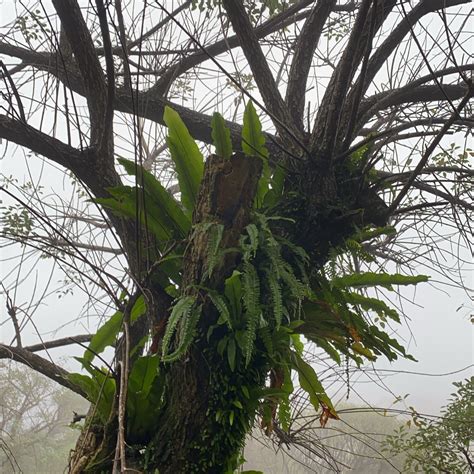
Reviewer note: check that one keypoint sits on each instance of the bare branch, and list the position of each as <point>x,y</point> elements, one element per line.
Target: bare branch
<point>326,124</point>
<point>258,64</point>
<point>106,140</point>
<point>64,341</point>
<point>401,30</point>
<point>82,163</point>
<point>275,23</point>
<point>409,94</point>
<point>77,33</point>
<point>427,154</point>
<point>304,52</point>
<point>41,365</point>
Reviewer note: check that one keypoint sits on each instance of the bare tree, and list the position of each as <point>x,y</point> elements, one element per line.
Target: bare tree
<point>357,100</point>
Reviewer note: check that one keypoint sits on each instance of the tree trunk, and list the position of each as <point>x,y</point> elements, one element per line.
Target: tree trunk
<point>206,414</point>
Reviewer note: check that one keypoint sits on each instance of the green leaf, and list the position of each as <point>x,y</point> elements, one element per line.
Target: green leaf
<point>87,384</point>
<point>221,136</point>
<point>253,144</point>
<point>275,192</point>
<point>377,279</point>
<point>221,305</point>
<point>328,348</point>
<point>138,309</point>
<point>99,389</point>
<point>253,140</point>
<point>251,299</point>
<point>310,383</point>
<point>360,349</point>
<point>105,336</point>
<point>188,323</point>
<point>181,309</point>
<point>372,304</point>
<point>215,233</point>
<point>233,293</point>
<point>142,375</point>
<point>231,349</point>
<point>186,156</point>
<point>364,235</point>
<point>167,212</point>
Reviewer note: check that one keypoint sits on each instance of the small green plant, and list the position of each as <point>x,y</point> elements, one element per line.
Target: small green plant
<point>443,444</point>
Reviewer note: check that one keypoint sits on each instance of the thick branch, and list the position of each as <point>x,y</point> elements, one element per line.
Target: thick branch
<point>327,120</point>
<point>41,365</point>
<point>41,143</point>
<point>408,94</point>
<point>82,163</point>
<point>304,52</point>
<point>258,64</point>
<point>401,30</point>
<point>77,32</point>
<point>147,104</point>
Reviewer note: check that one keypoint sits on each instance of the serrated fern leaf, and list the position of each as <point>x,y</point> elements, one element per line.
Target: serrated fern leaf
<point>221,305</point>
<point>252,231</point>
<point>251,287</point>
<point>276,297</point>
<point>284,413</point>
<point>186,333</point>
<point>251,300</point>
<point>214,240</point>
<point>266,337</point>
<point>249,338</point>
<point>180,310</point>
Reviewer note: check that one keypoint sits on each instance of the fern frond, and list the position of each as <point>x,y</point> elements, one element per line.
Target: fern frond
<point>295,287</point>
<point>251,287</point>
<point>273,252</point>
<point>250,333</point>
<point>180,310</point>
<point>276,297</point>
<point>284,413</point>
<point>251,300</point>
<point>253,234</point>
<point>266,337</point>
<point>186,333</point>
<point>221,305</point>
<point>246,248</point>
<point>214,240</point>
<point>295,250</point>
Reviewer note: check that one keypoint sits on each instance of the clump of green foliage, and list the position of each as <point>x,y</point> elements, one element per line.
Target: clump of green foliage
<point>443,444</point>
<point>270,300</point>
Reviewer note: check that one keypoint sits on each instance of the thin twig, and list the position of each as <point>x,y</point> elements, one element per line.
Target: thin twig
<point>426,155</point>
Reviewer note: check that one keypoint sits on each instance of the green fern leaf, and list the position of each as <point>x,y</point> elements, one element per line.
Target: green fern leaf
<point>180,310</point>
<point>377,279</point>
<point>276,297</point>
<point>214,240</point>
<point>221,305</point>
<point>186,333</point>
<point>251,299</point>
<point>266,337</point>
<point>284,413</point>
<point>252,231</point>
